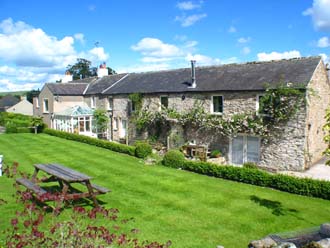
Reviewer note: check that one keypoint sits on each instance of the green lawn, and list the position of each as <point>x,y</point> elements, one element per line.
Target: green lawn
<point>190,210</point>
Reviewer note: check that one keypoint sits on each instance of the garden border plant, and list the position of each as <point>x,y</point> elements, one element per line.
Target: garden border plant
<point>130,150</point>
<point>290,184</point>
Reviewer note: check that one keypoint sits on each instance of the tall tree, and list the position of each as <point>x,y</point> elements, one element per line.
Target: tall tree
<point>81,68</point>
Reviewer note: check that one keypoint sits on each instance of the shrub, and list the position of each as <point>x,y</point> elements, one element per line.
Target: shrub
<point>142,149</point>
<point>250,165</point>
<point>215,153</point>
<point>130,150</point>
<point>295,185</point>
<point>174,158</point>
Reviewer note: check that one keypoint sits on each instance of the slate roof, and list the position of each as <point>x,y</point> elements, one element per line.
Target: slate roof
<point>103,83</point>
<point>8,101</point>
<point>231,77</point>
<point>67,89</point>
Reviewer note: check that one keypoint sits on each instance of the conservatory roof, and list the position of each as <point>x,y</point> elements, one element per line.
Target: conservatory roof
<point>76,111</point>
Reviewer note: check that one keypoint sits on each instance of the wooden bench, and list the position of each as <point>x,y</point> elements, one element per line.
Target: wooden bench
<point>31,186</point>
<point>100,189</point>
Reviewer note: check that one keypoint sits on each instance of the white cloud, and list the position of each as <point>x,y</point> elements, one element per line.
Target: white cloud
<point>320,13</point>
<point>80,37</point>
<point>232,29</point>
<point>188,5</point>
<point>35,56</point>
<point>203,60</point>
<point>190,20</point>
<point>153,47</point>
<point>323,42</point>
<point>155,60</point>
<point>246,50</point>
<point>6,86</point>
<point>244,40</point>
<point>326,58</point>
<point>180,38</point>
<point>278,56</point>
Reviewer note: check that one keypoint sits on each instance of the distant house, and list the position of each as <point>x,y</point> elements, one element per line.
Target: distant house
<point>23,107</point>
<point>7,102</point>
<point>222,91</point>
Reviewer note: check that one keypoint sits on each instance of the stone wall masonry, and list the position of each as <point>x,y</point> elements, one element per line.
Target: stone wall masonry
<point>233,102</point>
<point>318,101</point>
<point>285,148</point>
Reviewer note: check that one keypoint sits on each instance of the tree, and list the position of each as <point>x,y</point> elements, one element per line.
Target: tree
<point>81,67</point>
<point>32,93</point>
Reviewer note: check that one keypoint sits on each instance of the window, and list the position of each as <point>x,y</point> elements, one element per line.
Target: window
<point>217,104</point>
<point>45,106</point>
<point>93,102</point>
<point>133,106</point>
<point>115,123</point>
<point>110,103</point>
<point>164,102</point>
<point>37,102</point>
<point>245,149</point>
<point>259,97</point>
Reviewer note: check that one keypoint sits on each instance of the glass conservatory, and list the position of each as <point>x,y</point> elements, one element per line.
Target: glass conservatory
<point>77,119</point>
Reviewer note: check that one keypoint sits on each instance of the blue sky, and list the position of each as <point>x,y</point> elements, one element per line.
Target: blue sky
<point>38,39</point>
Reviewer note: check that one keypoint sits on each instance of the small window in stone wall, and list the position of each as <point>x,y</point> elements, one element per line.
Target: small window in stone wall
<point>110,103</point>
<point>164,102</point>
<point>93,102</point>
<point>115,123</point>
<point>217,104</point>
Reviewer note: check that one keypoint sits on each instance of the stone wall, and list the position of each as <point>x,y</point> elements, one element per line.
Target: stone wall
<point>318,101</point>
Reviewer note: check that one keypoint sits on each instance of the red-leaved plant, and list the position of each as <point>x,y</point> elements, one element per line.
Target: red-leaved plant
<point>35,227</point>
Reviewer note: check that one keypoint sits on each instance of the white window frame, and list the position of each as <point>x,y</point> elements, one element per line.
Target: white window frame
<point>212,107</point>
<point>257,102</point>
<point>93,101</point>
<point>115,123</point>
<point>160,101</point>
<point>244,147</point>
<point>44,105</point>
<point>110,100</point>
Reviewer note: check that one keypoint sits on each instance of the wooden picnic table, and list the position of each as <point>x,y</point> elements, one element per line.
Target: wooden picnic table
<point>65,177</point>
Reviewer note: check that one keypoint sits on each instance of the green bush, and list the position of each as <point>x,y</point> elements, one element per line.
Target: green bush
<point>250,165</point>
<point>142,149</point>
<point>174,158</point>
<point>295,185</point>
<point>130,150</point>
<point>215,153</point>
<point>13,122</point>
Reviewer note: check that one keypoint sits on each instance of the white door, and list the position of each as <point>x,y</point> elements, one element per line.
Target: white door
<point>245,149</point>
<point>123,129</point>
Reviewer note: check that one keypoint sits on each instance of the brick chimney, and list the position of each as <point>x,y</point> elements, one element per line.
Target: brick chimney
<point>67,77</point>
<point>102,70</point>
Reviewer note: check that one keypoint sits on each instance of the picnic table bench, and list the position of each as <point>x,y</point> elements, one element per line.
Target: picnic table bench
<point>65,177</point>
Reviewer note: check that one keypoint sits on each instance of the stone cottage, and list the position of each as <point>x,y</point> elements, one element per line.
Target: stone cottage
<point>224,91</point>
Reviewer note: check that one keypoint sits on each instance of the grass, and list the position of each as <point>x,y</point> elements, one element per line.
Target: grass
<point>189,209</point>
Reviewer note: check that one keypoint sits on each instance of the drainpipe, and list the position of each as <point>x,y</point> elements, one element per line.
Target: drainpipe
<point>193,74</point>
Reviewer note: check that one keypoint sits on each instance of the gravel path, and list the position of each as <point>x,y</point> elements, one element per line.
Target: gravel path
<point>318,171</point>
<point>2,130</point>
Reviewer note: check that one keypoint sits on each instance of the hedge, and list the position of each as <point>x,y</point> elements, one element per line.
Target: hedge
<point>142,149</point>
<point>295,185</point>
<point>130,150</point>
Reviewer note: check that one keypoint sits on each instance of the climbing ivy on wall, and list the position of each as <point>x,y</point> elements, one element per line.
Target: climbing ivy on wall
<point>277,106</point>
<point>326,138</point>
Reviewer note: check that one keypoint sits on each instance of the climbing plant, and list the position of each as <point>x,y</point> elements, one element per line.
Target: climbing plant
<point>101,120</point>
<point>326,138</point>
<point>277,106</point>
